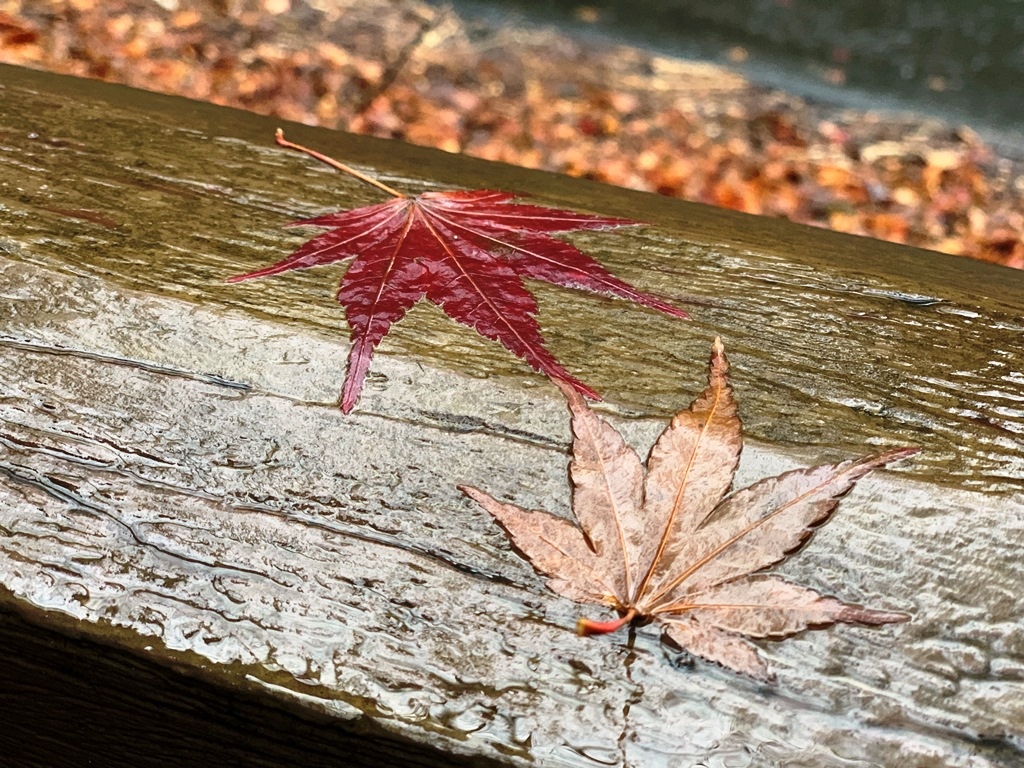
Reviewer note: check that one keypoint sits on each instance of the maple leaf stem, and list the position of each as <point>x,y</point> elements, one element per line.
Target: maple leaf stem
<point>282,141</point>
<point>587,627</point>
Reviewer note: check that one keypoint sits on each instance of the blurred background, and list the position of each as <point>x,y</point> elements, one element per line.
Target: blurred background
<point>895,119</point>
<point>963,60</point>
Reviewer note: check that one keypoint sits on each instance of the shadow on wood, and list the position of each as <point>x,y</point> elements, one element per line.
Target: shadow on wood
<point>66,703</point>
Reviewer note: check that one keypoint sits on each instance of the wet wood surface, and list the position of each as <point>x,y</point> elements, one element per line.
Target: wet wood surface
<point>176,485</point>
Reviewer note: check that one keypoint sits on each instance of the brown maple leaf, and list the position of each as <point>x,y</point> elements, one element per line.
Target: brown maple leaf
<point>671,544</point>
<point>465,251</point>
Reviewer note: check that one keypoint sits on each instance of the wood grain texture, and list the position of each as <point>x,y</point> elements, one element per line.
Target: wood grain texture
<point>175,481</point>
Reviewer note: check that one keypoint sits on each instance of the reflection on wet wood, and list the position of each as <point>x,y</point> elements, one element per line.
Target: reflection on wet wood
<point>175,482</point>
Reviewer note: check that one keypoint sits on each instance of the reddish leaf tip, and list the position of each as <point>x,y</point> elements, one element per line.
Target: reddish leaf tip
<point>583,389</point>
<point>271,270</point>
<point>575,397</point>
<point>474,493</point>
<point>574,390</point>
<point>350,393</point>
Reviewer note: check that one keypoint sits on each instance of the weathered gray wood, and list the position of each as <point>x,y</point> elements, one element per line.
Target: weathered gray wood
<point>175,482</point>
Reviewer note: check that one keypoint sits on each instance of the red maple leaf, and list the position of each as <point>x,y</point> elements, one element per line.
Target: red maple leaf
<point>466,251</point>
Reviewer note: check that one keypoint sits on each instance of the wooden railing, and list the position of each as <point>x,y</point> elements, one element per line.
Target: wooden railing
<point>220,547</point>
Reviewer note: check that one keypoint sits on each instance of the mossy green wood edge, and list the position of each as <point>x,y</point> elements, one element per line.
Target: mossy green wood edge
<point>176,482</point>
<point>837,340</point>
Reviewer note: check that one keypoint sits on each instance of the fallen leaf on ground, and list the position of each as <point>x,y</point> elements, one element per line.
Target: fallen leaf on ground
<point>467,252</point>
<point>671,544</point>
